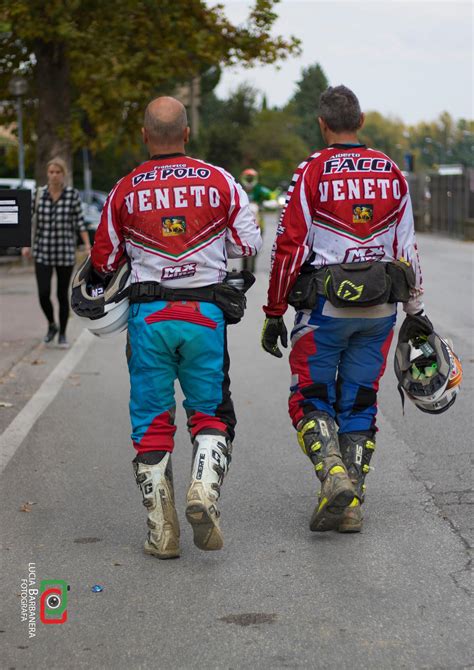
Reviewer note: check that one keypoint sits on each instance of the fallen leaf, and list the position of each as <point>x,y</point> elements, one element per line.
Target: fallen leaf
<point>37,361</point>
<point>26,507</point>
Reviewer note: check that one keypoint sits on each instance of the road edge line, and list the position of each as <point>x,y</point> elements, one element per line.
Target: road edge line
<point>15,433</point>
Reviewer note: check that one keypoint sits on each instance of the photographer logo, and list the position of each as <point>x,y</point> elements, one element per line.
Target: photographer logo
<point>46,598</point>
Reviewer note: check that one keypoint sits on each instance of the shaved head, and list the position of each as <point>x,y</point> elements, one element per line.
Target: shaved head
<point>165,121</point>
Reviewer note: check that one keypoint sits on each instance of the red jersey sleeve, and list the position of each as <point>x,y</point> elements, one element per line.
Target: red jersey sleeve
<point>109,244</point>
<point>405,247</point>
<point>243,233</point>
<point>291,246</point>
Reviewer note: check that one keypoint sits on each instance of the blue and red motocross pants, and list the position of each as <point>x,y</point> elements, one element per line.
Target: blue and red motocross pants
<point>337,361</point>
<point>177,340</point>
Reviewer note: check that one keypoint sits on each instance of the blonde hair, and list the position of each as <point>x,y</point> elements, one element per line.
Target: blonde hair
<point>60,164</point>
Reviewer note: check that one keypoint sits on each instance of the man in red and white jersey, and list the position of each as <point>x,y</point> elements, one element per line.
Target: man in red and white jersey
<point>178,219</point>
<point>347,204</point>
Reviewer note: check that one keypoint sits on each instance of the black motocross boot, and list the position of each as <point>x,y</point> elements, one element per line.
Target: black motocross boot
<point>317,436</point>
<point>356,450</point>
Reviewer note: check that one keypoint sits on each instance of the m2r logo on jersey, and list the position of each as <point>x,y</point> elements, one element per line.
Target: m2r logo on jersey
<point>362,213</point>
<point>362,254</point>
<point>175,225</point>
<point>187,270</point>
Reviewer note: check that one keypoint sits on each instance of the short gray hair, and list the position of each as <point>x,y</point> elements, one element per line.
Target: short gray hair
<point>163,131</point>
<point>340,109</point>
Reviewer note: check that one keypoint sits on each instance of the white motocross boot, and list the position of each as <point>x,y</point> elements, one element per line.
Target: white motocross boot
<point>210,464</point>
<point>156,485</point>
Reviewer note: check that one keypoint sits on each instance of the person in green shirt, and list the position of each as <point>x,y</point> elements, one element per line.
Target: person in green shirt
<point>257,193</point>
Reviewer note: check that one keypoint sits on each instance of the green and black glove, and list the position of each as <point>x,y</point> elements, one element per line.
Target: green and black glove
<point>274,328</point>
<point>415,325</point>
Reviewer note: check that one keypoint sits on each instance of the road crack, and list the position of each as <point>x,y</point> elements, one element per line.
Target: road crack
<point>457,575</point>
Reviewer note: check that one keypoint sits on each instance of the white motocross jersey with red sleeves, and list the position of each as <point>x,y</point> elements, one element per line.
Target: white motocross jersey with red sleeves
<point>345,204</point>
<point>178,219</point>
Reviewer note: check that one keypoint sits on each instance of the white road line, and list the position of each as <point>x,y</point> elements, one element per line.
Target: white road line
<point>15,433</point>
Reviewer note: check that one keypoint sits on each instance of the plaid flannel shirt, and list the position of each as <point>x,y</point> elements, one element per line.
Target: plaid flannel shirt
<point>57,224</point>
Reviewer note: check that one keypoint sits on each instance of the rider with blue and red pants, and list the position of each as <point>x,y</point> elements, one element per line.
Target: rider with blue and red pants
<point>345,204</point>
<point>178,220</point>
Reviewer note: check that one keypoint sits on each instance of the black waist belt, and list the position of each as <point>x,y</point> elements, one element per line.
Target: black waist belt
<point>148,291</point>
<point>229,299</point>
<point>354,284</point>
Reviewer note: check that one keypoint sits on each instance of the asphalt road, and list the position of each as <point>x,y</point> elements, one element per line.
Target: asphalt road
<point>277,595</point>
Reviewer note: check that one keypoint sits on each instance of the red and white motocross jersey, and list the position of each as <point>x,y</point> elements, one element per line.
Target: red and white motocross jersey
<point>178,219</point>
<point>345,204</point>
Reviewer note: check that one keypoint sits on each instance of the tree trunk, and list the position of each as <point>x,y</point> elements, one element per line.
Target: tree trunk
<point>54,107</point>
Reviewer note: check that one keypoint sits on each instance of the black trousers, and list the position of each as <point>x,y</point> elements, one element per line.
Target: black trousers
<point>44,274</point>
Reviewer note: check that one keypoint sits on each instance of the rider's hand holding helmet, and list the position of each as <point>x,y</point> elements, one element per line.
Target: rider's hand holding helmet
<point>103,305</point>
<point>427,369</point>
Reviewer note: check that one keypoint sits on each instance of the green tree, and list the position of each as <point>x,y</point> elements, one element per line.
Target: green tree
<point>92,65</point>
<point>462,150</point>
<point>224,125</point>
<point>385,134</point>
<point>442,141</point>
<point>273,146</point>
<point>304,105</point>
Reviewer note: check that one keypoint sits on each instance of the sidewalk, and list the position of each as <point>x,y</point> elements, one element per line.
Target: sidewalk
<point>22,322</point>
<point>25,361</point>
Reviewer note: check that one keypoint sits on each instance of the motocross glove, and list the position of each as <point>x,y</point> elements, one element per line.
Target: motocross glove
<point>414,325</point>
<point>274,328</point>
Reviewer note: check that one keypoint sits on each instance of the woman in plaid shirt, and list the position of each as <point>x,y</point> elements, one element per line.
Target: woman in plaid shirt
<point>58,214</point>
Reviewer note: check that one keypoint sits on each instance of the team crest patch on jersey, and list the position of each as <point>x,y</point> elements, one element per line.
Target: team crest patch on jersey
<point>175,225</point>
<point>362,213</point>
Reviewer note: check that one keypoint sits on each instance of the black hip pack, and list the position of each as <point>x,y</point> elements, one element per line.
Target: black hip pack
<point>402,276</point>
<point>305,290</point>
<point>354,284</point>
<point>357,284</point>
<point>231,300</point>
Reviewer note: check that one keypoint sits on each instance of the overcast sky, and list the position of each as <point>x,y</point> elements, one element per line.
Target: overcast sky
<point>412,59</point>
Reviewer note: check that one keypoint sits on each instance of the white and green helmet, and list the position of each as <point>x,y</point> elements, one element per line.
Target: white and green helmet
<point>427,369</point>
<point>103,309</point>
